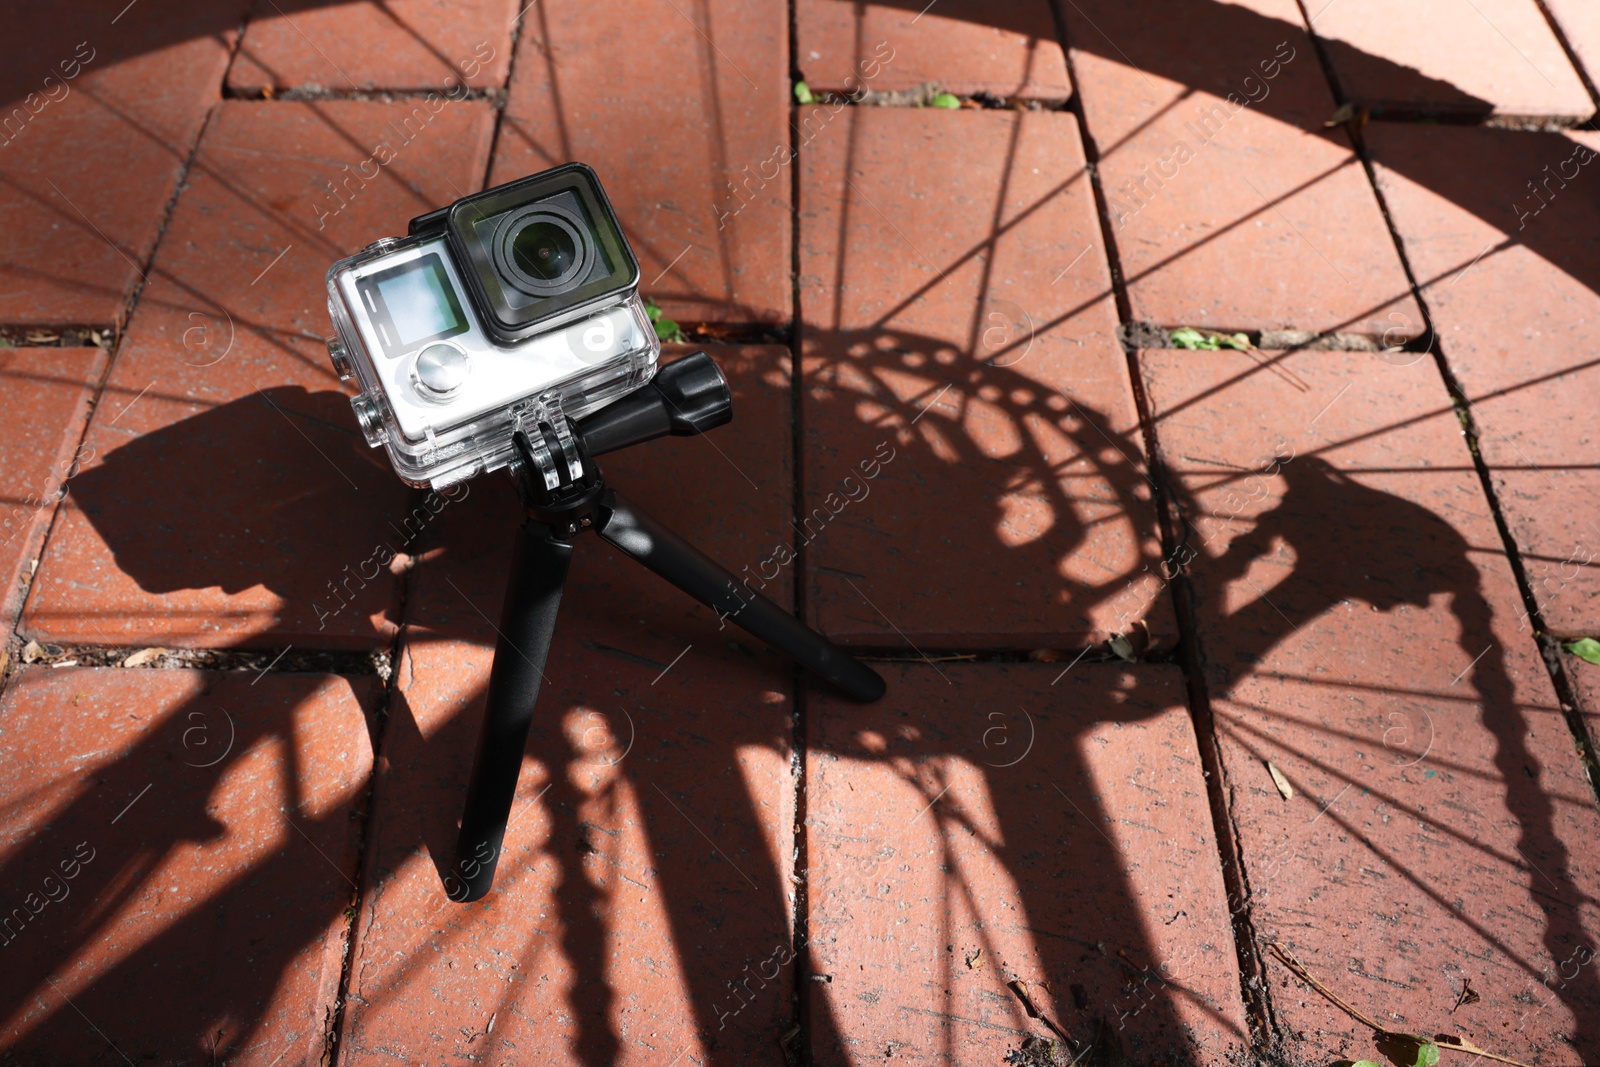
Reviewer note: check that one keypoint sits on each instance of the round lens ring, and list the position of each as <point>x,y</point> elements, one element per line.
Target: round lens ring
<point>542,250</point>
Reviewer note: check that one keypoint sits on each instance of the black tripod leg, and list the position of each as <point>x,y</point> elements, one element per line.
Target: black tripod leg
<point>527,623</point>
<point>697,574</point>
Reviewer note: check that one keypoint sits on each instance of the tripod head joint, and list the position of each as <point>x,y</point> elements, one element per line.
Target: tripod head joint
<point>553,462</point>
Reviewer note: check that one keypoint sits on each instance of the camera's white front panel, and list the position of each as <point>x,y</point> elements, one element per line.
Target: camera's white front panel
<point>437,367</point>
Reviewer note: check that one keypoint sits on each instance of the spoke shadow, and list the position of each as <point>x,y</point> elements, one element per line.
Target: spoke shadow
<point>666,792</point>
<point>1220,45</point>
<point>427,760</point>
<point>207,551</point>
<point>1390,553</point>
<point>1143,38</point>
<point>196,874</point>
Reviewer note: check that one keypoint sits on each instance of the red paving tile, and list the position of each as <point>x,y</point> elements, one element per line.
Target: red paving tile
<point>616,930</point>
<point>231,498</point>
<point>88,163</point>
<point>648,861</point>
<point>1579,23</point>
<point>973,464</point>
<point>963,46</point>
<point>682,112</point>
<point>1441,827</point>
<point>1235,217</point>
<point>187,846</point>
<point>394,44</point>
<point>1083,865</point>
<point>1585,679</point>
<point>47,394</point>
<point>1510,275</point>
<point>1480,57</point>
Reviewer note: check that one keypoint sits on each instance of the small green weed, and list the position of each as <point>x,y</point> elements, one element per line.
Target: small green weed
<point>1586,649</point>
<point>1195,340</point>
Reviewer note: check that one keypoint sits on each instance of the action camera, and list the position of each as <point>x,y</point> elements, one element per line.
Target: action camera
<point>506,330</point>
<point>514,308</point>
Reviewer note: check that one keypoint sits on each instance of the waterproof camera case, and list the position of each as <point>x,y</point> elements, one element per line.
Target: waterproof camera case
<point>514,308</point>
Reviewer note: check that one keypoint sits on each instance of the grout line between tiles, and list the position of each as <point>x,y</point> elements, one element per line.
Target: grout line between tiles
<point>798,1051</point>
<point>1566,695</point>
<point>1573,58</point>
<point>119,335</point>
<point>1255,994</point>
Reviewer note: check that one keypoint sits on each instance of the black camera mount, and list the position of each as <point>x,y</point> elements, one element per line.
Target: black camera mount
<point>564,494</point>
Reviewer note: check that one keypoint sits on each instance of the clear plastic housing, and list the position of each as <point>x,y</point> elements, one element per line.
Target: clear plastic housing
<point>437,391</point>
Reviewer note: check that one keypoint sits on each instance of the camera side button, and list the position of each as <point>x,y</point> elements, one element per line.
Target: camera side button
<point>440,370</point>
<point>370,415</point>
<point>341,359</point>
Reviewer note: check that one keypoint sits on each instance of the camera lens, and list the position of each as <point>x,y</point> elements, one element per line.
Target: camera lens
<point>544,250</point>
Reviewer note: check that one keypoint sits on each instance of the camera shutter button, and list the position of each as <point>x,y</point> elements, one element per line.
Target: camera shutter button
<point>441,369</point>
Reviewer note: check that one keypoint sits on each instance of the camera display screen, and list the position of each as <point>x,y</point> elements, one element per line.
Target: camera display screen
<point>413,303</point>
<point>417,303</point>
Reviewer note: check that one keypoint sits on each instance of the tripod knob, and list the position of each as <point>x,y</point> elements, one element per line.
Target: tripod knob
<point>686,397</point>
<point>696,394</point>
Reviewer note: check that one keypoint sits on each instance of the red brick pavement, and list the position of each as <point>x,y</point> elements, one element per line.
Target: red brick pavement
<point>681,111</point>
<point>1486,57</point>
<point>1579,25</point>
<point>395,44</point>
<point>100,121</point>
<point>1441,829</point>
<point>1508,273</point>
<point>974,473</point>
<point>231,498</point>
<point>959,45</point>
<point>703,864</point>
<point>989,824</point>
<point>48,391</point>
<point>1232,206</point>
<point>186,843</point>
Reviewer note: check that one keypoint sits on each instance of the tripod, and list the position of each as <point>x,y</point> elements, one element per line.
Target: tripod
<point>564,494</point>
